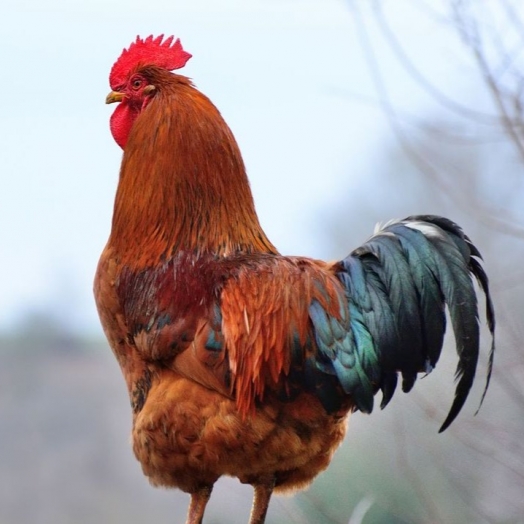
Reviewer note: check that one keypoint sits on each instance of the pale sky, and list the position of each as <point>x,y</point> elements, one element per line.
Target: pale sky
<point>289,76</point>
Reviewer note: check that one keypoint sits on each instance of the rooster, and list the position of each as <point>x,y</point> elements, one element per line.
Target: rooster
<point>240,361</point>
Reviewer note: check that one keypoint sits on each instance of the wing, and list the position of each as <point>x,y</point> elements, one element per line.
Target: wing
<point>242,325</point>
<point>172,318</point>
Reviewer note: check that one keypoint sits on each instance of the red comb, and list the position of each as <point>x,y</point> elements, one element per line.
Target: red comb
<point>151,51</point>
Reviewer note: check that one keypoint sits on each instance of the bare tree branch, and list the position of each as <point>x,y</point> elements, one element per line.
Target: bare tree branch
<point>489,217</point>
<point>469,32</point>
<point>478,116</point>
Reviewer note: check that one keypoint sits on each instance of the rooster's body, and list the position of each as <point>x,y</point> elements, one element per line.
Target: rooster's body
<point>239,361</point>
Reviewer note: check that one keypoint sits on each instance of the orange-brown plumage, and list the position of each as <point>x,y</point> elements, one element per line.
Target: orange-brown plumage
<point>193,196</point>
<point>239,361</point>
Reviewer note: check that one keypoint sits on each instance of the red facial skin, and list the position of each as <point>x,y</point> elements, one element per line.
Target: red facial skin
<point>134,96</point>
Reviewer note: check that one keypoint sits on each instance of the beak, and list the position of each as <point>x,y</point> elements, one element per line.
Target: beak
<point>114,96</point>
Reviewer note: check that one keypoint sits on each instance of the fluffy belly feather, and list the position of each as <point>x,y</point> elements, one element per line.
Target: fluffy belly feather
<point>187,436</point>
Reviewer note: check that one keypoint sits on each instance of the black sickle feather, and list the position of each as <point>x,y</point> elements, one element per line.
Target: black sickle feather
<point>397,286</point>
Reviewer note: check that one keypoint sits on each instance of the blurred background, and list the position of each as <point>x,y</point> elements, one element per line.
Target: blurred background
<point>348,113</point>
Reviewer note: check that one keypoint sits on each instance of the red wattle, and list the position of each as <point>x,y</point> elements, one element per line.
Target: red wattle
<point>121,122</point>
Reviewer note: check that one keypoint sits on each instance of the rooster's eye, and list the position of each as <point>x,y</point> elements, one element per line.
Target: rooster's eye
<point>136,83</point>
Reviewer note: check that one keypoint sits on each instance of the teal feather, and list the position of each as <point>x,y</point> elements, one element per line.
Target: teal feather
<point>214,340</point>
<point>460,296</point>
<point>391,319</point>
<point>425,277</point>
<point>397,286</point>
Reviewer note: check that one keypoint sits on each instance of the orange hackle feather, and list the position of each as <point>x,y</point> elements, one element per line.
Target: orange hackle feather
<point>162,205</point>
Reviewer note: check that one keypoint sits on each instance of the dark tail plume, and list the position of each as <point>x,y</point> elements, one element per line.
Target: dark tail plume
<point>398,285</point>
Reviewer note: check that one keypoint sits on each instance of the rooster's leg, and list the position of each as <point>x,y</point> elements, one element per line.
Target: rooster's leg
<point>263,491</point>
<point>197,506</point>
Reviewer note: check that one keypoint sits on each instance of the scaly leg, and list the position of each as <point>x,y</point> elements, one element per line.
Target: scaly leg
<point>263,491</point>
<point>197,506</point>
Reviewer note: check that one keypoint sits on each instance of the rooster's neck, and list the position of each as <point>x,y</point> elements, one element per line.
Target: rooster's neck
<point>183,185</point>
